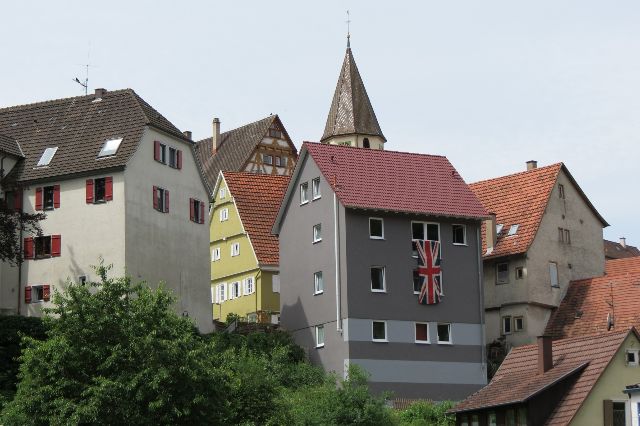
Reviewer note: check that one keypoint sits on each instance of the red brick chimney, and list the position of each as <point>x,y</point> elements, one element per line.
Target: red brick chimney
<point>545,354</point>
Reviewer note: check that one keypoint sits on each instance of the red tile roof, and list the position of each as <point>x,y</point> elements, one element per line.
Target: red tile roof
<point>518,379</point>
<point>585,308</point>
<point>395,181</point>
<point>258,197</point>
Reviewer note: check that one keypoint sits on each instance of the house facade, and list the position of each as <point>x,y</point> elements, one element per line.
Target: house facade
<point>245,278</point>
<point>117,181</point>
<point>544,234</point>
<point>384,277</point>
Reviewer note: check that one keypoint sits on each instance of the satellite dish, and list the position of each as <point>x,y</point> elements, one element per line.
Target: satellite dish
<point>610,321</point>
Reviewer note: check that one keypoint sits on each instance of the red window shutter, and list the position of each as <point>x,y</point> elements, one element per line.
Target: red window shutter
<point>56,244</point>
<point>89,191</point>
<point>201,212</point>
<point>108,188</point>
<point>28,248</point>
<point>46,292</point>
<point>56,196</point>
<point>155,197</point>
<point>17,202</point>
<point>166,201</point>
<point>156,150</point>
<point>192,210</point>
<point>39,198</point>
<point>27,294</point>
<point>179,159</point>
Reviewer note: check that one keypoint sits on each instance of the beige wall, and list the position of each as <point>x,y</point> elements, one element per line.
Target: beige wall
<point>610,386</point>
<point>168,247</point>
<point>375,142</point>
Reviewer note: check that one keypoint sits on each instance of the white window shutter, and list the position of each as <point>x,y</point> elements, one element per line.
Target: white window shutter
<point>275,283</point>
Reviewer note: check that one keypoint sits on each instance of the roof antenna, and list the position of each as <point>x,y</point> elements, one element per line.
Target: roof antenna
<point>611,315</point>
<point>348,21</point>
<point>85,84</point>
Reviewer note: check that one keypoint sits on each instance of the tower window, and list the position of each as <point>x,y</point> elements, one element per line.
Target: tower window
<point>365,143</point>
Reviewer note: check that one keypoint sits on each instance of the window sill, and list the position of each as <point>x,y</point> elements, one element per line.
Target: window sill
<point>445,343</point>
<point>371,237</point>
<point>304,203</point>
<point>380,341</point>
<point>378,291</point>
<point>502,283</point>
<point>101,202</point>
<point>320,346</point>
<point>48,256</point>
<point>316,198</point>
<point>423,342</point>
<point>461,244</point>
<point>317,241</point>
<point>318,293</point>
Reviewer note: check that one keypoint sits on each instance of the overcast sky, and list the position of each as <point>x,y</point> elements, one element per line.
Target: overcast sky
<point>489,84</point>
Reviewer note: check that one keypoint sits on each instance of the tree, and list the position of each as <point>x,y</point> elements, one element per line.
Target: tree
<point>427,413</point>
<point>11,223</point>
<point>116,353</point>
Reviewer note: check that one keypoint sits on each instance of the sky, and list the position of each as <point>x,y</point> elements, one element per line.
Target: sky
<point>489,84</point>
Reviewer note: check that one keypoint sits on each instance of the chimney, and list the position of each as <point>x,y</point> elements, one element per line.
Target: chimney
<point>490,232</point>
<point>532,164</point>
<point>545,354</point>
<point>623,242</point>
<point>216,135</point>
<point>187,134</point>
<point>100,92</point>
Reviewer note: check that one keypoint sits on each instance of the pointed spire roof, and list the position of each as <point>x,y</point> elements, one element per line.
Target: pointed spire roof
<point>351,111</point>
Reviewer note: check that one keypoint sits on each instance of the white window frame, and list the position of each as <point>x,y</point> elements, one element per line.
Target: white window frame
<point>315,188</point>
<point>264,159</point>
<point>516,269</point>
<point>215,254</point>
<point>445,342</point>
<point>386,335</point>
<point>513,230</point>
<point>277,161</point>
<point>222,292</point>
<point>47,156</point>
<point>515,323</point>
<point>318,283</point>
<point>224,214</point>
<point>553,267</point>
<point>636,353</point>
<point>304,193</point>
<point>222,193</point>
<point>214,294</point>
<point>422,342</point>
<point>384,280</point>
<point>235,249</point>
<point>503,321</point>
<point>424,229</point>
<point>464,234</point>
<point>275,283</point>
<point>249,285</point>
<point>499,228</point>
<point>234,290</point>
<point>317,233</point>
<point>318,328</point>
<point>113,146</point>
<point>375,237</point>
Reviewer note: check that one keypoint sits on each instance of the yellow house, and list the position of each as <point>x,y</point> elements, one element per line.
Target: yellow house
<point>244,254</point>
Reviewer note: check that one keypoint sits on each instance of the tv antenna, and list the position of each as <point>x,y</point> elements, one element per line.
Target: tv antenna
<point>611,316</point>
<point>85,83</point>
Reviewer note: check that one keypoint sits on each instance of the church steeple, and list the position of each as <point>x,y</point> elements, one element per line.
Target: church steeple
<point>351,119</point>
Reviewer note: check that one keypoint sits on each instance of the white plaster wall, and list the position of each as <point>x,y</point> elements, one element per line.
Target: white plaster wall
<point>514,291</point>
<point>7,163</point>
<point>375,142</point>
<point>168,247</point>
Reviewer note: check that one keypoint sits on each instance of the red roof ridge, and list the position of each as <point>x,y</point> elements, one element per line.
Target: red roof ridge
<point>512,175</point>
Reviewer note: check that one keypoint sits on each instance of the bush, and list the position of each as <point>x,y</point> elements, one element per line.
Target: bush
<point>425,413</point>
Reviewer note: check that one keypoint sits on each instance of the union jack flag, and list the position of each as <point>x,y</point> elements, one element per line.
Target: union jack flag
<point>429,271</point>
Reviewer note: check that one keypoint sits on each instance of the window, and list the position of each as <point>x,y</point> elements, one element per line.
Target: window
<point>224,214</point>
<point>365,143</point>
<point>564,236</point>
<point>161,199</point>
<point>561,191</point>
<point>304,193</point>
<point>444,333</point>
<point>417,282</point>
<point>173,161</point>
<point>48,192</point>
<point>379,331</point>
<point>267,159</point>
<point>235,249</point>
<point>278,161</point>
<point>215,254</point>
<point>37,293</point>
<point>222,193</point>
<point>235,290</point>
<point>492,419</point>
<point>377,279</point>
<point>376,228</point>
<point>160,152</point>
<point>275,283</point>
<point>275,133</point>
<point>319,336</point>
<point>632,357</point>
<point>502,273</point>
<point>619,413</point>
<point>513,230</point>
<point>475,420</point>
<point>110,147</point>
<point>249,285</point>
<point>553,274</point>
<point>222,292</point>
<point>42,247</point>
<point>318,283</point>
<point>315,188</point>
<point>518,323</point>
<point>100,190</point>
<point>317,233</point>
<point>506,325</point>
<point>499,228</point>
<point>422,332</point>
<point>519,272</point>
<point>47,156</point>
<point>196,210</point>
<point>421,231</point>
<point>459,234</point>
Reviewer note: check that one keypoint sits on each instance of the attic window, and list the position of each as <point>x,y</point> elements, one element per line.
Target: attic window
<point>110,147</point>
<point>499,228</point>
<point>513,230</point>
<point>47,156</point>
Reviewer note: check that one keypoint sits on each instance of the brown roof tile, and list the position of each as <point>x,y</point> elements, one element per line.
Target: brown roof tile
<point>613,250</point>
<point>258,197</point>
<point>10,146</point>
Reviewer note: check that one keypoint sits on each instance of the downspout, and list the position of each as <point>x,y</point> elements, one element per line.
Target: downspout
<point>481,297</point>
<point>336,228</point>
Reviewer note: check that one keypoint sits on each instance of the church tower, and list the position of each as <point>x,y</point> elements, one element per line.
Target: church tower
<point>351,119</point>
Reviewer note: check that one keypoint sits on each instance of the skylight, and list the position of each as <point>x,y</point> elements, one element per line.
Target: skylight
<point>513,230</point>
<point>110,147</point>
<point>499,228</point>
<point>47,156</point>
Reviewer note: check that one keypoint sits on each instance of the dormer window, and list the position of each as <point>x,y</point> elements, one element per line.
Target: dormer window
<point>47,156</point>
<point>514,229</point>
<point>499,228</point>
<point>110,147</point>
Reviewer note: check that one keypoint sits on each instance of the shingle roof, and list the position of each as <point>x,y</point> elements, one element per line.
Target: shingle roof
<point>588,303</point>
<point>258,197</point>
<point>395,181</point>
<point>517,379</point>
<point>79,126</point>
<point>521,199</point>
<point>613,250</point>
<point>351,111</point>
<point>235,148</point>
<point>10,146</point>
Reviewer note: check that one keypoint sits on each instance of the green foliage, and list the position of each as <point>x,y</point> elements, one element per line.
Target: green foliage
<point>11,222</point>
<point>426,413</point>
<point>12,328</point>
<point>116,354</point>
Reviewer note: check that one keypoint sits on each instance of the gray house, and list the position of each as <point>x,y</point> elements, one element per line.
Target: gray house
<point>380,263</point>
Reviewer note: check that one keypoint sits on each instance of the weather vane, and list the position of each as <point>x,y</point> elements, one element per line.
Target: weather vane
<point>348,30</point>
